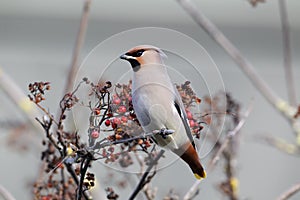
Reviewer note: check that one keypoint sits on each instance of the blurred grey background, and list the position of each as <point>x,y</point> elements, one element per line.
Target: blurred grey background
<point>37,40</point>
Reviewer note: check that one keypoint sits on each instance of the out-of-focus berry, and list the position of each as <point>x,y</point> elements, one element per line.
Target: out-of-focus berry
<point>192,123</point>
<point>189,115</point>
<point>117,100</point>
<point>117,120</point>
<point>124,119</point>
<point>95,134</point>
<point>122,109</point>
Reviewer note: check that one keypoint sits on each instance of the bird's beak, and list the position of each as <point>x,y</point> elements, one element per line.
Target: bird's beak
<point>124,56</point>
<point>127,57</point>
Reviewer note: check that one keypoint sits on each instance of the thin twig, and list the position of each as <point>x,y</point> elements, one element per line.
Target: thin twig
<point>6,194</point>
<point>84,167</point>
<point>230,134</point>
<point>105,142</point>
<point>195,188</point>
<point>78,46</point>
<point>282,145</point>
<point>287,52</point>
<point>287,110</point>
<point>143,179</point>
<point>290,192</point>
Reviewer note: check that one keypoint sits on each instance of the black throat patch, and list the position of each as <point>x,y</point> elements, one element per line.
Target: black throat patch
<point>135,65</point>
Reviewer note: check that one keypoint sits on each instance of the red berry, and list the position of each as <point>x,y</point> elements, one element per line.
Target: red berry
<point>192,123</point>
<point>147,144</point>
<point>122,109</point>
<point>107,122</point>
<point>117,100</point>
<point>117,121</point>
<point>97,111</point>
<point>95,134</point>
<point>113,125</point>
<point>189,115</point>
<point>124,119</point>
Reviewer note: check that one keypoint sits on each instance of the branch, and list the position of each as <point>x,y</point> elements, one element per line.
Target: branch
<point>282,145</point>
<point>143,179</point>
<point>229,135</point>
<point>105,142</point>
<point>84,167</point>
<point>195,188</point>
<point>290,192</point>
<point>287,52</point>
<point>15,93</point>
<point>78,46</point>
<point>285,109</point>
<point>5,194</point>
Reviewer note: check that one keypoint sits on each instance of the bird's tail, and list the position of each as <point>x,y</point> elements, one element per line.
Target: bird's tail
<point>191,157</point>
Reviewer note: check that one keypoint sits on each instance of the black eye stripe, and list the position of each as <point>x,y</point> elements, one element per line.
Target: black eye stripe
<point>137,53</point>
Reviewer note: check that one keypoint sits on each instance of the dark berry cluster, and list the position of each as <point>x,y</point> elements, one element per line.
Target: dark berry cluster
<point>37,90</point>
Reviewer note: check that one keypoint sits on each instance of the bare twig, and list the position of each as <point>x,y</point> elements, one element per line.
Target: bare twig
<point>143,179</point>
<point>282,145</point>
<point>195,188</point>
<point>78,46</point>
<point>287,52</point>
<point>84,167</point>
<point>230,134</point>
<point>290,192</point>
<point>105,142</point>
<point>15,93</point>
<point>5,194</point>
<point>287,110</point>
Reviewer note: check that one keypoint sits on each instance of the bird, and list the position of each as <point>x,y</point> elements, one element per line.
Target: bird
<point>158,105</point>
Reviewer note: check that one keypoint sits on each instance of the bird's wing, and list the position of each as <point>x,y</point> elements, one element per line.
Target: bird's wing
<point>139,107</point>
<point>181,111</point>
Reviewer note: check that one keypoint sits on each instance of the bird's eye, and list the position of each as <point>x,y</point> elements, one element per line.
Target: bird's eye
<point>139,53</point>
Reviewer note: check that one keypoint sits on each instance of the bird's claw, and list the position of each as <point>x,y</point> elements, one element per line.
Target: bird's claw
<point>164,132</point>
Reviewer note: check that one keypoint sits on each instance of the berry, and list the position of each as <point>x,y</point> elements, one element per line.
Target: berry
<point>140,141</point>
<point>113,125</point>
<point>189,115</point>
<point>97,111</point>
<point>117,121</point>
<point>192,123</point>
<point>122,109</point>
<point>95,134</point>
<point>128,97</point>
<point>118,136</point>
<point>109,114</point>
<point>147,144</point>
<point>117,100</point>
<point>45,197</point>
<point>124,119</point>
<point>107,122</point>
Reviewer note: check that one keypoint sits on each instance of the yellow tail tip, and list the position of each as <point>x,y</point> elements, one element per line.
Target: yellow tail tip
<point>200,177</point>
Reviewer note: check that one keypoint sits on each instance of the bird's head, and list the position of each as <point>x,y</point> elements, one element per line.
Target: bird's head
<point>143,55</point>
